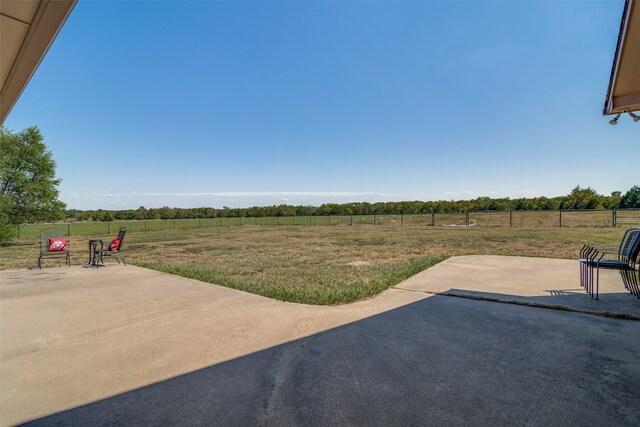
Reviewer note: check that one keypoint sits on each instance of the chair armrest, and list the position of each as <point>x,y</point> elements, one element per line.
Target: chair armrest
<point>606,249</point>
<point>598,252</point>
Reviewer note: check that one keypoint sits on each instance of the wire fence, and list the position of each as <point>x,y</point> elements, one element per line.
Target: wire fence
<point>562,218</point>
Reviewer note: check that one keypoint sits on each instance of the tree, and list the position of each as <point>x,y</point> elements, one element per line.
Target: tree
<point>7,230</point>
<point>613,201</point>
<point>582,198</point>
<point>28,186</point>
<point>631,199</point>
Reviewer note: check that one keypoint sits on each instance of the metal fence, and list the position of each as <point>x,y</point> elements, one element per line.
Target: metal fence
<point>562,218</point>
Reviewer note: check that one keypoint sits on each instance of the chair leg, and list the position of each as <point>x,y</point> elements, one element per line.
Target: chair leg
<point>597,281</point>
<point>581,255</point>
<point>592,281</point>
<point>583,266</point>
<point>587,269</point>
<point>626,280</point>
<point>634,287</point>
<point>635,281</point>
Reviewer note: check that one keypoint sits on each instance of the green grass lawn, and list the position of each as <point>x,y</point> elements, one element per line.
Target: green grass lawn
<point>318,265</point>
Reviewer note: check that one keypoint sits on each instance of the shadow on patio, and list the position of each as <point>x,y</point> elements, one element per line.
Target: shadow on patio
<point>440,360</point>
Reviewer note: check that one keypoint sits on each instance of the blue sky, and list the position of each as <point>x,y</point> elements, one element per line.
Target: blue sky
<point>240,103</point>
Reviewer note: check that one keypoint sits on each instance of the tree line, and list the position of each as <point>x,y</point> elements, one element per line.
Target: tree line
<point>29,193</point>
<point>578,198</point>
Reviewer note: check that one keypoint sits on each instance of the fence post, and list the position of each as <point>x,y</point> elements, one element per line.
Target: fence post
<point>174,224</point>
<point>108,228</point>
<point>350,219</point>
<point>510,218</point>
<point>294,220</point>
<point>277,220</point>
<point>374,219</point>
<point>18,227</point>
<point>255,220</point>
<point>613,218</point>
<point>199,226</point>
<point>68,229</point>
<point>401,219</point>
<point>467,218</point>
<point>560,217</point>
<point>329,219</point>
<point>145,226</point>
<point>433,219</point>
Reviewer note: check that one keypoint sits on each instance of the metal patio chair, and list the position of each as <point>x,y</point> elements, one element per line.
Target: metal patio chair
<point>592,259</point>
<point>54,244</point>
<point>113,250</point>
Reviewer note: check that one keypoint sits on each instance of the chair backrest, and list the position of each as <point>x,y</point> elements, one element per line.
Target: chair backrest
<point>49,233</point>
<point>634,250</point>
<point>630,244</point>
<point>121,234</point>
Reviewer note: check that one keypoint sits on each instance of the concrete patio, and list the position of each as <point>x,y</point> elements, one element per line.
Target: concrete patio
<point>535,281</point>
<point>134,346</point>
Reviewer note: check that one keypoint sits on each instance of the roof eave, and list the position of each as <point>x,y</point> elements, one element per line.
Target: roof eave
<point>48,19</point>
<point>624,101</point>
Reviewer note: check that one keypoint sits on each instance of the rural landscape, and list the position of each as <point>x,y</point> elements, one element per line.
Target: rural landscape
<point>319,213</point>
<point>317,264</point>
<point>327,254</point>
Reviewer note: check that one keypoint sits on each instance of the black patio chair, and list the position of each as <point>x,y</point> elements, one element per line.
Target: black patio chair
<point>113,250</point>
<point>54,244</point>
<point>592,259</point>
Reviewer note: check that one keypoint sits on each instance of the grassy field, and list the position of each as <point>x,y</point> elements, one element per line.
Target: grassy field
<point>319,265</point>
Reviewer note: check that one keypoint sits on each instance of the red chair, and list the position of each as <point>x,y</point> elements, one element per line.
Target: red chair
<point>54,244</point>
<point>113,250</point>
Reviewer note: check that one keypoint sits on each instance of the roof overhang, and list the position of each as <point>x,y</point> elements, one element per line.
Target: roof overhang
<point>27,29</point>
<point>623,93</point>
